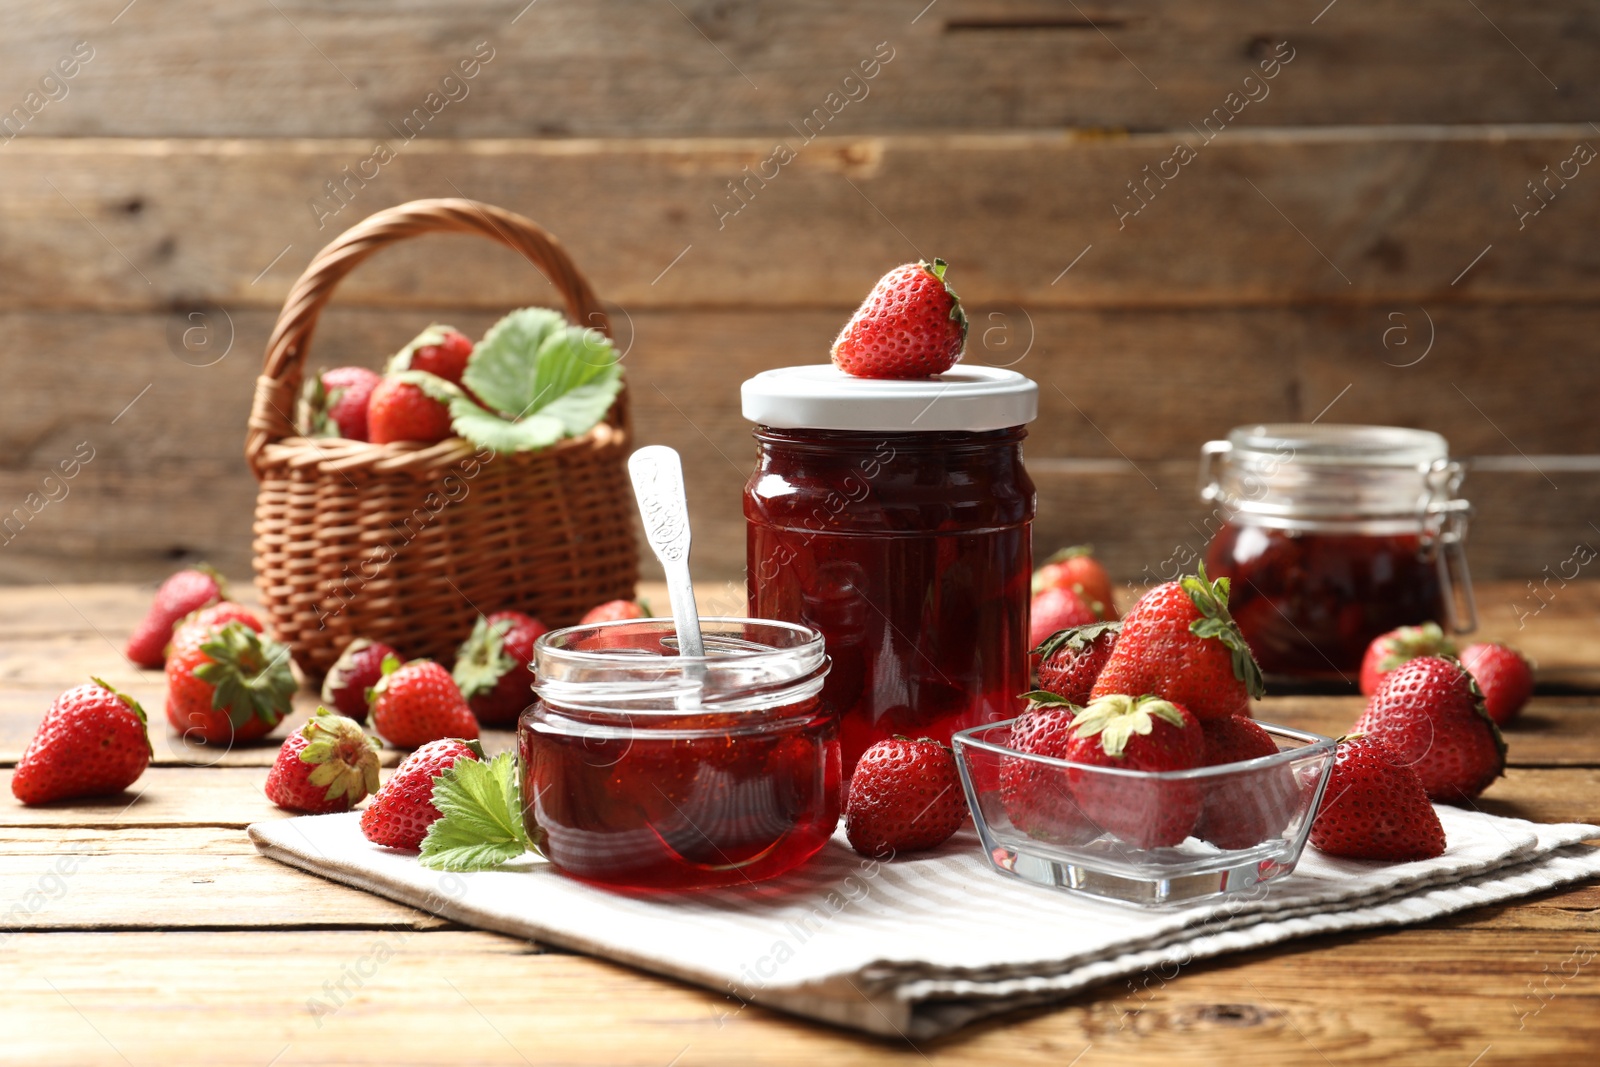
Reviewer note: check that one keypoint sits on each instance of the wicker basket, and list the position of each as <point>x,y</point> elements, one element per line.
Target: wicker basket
<point>406,544</point>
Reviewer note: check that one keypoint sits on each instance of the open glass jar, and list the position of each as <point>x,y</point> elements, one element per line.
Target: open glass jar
<point>894,516</point>
<point>1333,535</point>
<point>644,769</point>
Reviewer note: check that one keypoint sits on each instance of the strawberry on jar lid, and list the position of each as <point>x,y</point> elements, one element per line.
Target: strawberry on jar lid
<point>822,397</point>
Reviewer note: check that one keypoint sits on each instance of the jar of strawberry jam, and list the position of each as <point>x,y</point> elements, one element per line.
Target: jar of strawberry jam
<point>894,516</point>
<point>643,769</point>
<point>1333,535</point>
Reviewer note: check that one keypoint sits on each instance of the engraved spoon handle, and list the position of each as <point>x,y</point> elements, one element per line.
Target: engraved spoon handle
<point>657,475</point>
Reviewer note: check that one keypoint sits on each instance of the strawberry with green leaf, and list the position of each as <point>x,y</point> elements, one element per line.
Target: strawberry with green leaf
<point>335,401</point>
<point>1070,661</point>
<point>418,702</point>
<point>494,667</point>
<point>1388,651</point>
<point>402,811</point>
<point>1144,733</point>
<point>539,379</point>
<point>411,406</point>
<point>92,742</point>
<point>441,350</point>
<point>327,765</point>
<point>480,824</point>
<point>1179,643</point>
<point>227,684</point>
<point>911,325</point>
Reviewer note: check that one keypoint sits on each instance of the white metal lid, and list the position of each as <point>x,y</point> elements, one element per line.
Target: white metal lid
<point>820,396</point>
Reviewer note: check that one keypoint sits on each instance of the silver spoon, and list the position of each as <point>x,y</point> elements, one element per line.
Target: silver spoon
<point>658,484</point>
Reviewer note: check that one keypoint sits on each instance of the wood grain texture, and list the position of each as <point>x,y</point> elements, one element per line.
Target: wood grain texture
<point>1396,217</point>
<point>1126,399</point>
<point>631,67</point>
<point>449,996</point>
<point>172,879</point>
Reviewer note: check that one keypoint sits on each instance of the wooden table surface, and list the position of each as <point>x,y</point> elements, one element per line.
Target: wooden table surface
<point>144,929</point>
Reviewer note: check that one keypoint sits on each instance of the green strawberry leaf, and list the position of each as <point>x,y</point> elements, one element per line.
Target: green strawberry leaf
<point>957,313</point>
<point>447,393</point>
<point>315,400</point>
<point>481,817</point>
<point>483,659</point>
<point>1043,698</point>
<point>1211,601</point>
<point>1409,642</point>
<point>1076,638</point>
<point>250,673</point>
<point>544,378</point>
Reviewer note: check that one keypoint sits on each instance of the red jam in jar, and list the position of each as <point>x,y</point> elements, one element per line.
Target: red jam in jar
<point>895,517</point>
<point>646,770</point>
<point>1332,535</point>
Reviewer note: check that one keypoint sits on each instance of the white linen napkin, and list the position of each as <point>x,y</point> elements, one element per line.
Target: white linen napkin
<point>920,947</point>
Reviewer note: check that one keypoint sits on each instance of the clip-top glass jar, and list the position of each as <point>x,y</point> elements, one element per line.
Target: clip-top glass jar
<point>644,769</point>
<point>894,516</point>
<point>1333,535</point>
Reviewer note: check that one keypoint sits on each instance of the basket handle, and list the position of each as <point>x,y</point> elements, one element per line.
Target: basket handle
<point>279,383</point>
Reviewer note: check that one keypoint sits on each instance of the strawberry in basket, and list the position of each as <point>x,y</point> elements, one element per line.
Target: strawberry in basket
<point>405,407</point>
<point>440,350</point>
<point>335,403</point>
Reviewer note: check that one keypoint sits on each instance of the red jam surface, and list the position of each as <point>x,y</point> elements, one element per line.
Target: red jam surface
<point>910,552</point>
<point>1310,603</point>
<point>685,802</point>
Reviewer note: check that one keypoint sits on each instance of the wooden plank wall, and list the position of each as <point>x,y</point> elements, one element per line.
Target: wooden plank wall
<point>1360,240</point>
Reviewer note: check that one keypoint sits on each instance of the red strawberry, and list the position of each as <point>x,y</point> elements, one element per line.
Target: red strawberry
<point>186,591</point>
<point>1054,610</point>
<point>1388,651</point>
<point>1504,675</point>
<point>357,670</point>
<point>439,350</point>
<point>400,410</point>
<point>227,684</point>
<point>910,326</point>
<point>494,668</point>
<point>1180,643</point>
<point>402,811</point>
<point>1071,660</point>
<point>1375,808</point>
<point>904,796</point>
<point>616,611</point>
<point>1036,795</point>
<point>327,765</point>
<point>417,703</point>
<point>1244,807</point>
<point>92,742</point>
<point>218,615</point>
<point>1076,569</point>
<point>337,402</point>
<point>1235,739</point>
<point>1143,733</point>
<point>1429,713</point>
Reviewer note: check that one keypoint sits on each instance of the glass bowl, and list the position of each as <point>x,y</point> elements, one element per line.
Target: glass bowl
<point>1141,837</point>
